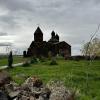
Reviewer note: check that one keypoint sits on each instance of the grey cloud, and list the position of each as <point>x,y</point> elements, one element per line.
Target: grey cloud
<point>6,44</point>
<point>3,34</point>
<point>73,20</point>
<point>14,5</point>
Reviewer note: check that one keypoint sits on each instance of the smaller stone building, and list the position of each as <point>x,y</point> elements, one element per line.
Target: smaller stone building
<point>39,47</point>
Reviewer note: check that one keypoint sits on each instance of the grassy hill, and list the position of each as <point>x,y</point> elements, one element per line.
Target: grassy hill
<point>16,59</point>
<point>73,73</point>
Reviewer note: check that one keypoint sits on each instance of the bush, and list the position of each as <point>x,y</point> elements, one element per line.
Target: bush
<point>34,60</point>
<point>26,64</point>
<point>10,60</point>
<point>24,54</point>
<point>49,54</point>
<point>53,62</point>
<point>42,59</point>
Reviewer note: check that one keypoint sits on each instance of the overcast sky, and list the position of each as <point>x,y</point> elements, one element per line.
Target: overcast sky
<point>73,20</point>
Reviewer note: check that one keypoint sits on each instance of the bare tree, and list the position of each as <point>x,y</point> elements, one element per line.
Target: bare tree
<point>92,48</point>
<point>88,49</point>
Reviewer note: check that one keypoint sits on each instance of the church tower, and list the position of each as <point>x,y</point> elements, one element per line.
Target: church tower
<point>39,48</point>
<point>53,34</point>
<point>38,35</point>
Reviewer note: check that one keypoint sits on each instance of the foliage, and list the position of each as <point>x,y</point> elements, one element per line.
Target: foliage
<point>49,54</point>
<point>16,59</point>
<point>53,62</point>
<point>42,59</point>
<point>63,72</point>
<point>26,63</point>
<point>24,54</point>
<point>34,60</point>
<point>92,48</point>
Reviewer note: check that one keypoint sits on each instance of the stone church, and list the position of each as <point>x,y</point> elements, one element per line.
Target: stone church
<point>39,48</point>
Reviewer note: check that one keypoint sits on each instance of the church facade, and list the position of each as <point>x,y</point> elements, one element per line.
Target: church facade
<point>38,47</point>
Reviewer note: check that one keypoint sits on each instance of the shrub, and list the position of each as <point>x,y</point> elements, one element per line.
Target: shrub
<point>26,64</point>
<point>49,54</point>
<point>10,60</point>
<point>34,60</point>
<point>24,54</point>
<point>42,59</point>
<point>53,62</point>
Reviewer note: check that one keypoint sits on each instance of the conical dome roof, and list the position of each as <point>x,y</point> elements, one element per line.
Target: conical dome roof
<point>38,31</point>
<point>52,33</point>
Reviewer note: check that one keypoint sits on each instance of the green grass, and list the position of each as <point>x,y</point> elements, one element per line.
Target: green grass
<point>16,59</point>
<point>73,73</point>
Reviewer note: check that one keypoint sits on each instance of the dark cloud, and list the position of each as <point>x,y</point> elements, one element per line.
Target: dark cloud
<point>15,5</point>
<point>73,20</point>
<point>3,34</point>
<point>5,44</point>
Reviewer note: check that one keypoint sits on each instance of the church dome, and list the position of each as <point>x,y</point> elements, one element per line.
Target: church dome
<point>38,31</point>
<point>38,35</point>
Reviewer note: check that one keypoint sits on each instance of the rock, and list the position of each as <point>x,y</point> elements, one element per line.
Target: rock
<point>15,86</point>
<point>23,95</point>
<point>14,94</point>
<point>32,98</point>
<point>59,91</point>
<point>24,98</point>
<point>45,93</point>
<point>12,86</point>
<point>34,82</point>
<point>9,88</point>
<point>26,87</point>
<point>12,89</point>
<point>33,86</point>
<point>36,91</point>
<point>3,96</point>
<point>33,89</point>
<point>4,78</point>
<point>42,98</point>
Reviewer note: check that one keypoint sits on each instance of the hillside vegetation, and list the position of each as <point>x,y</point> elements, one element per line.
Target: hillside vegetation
<point>72,73</point>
